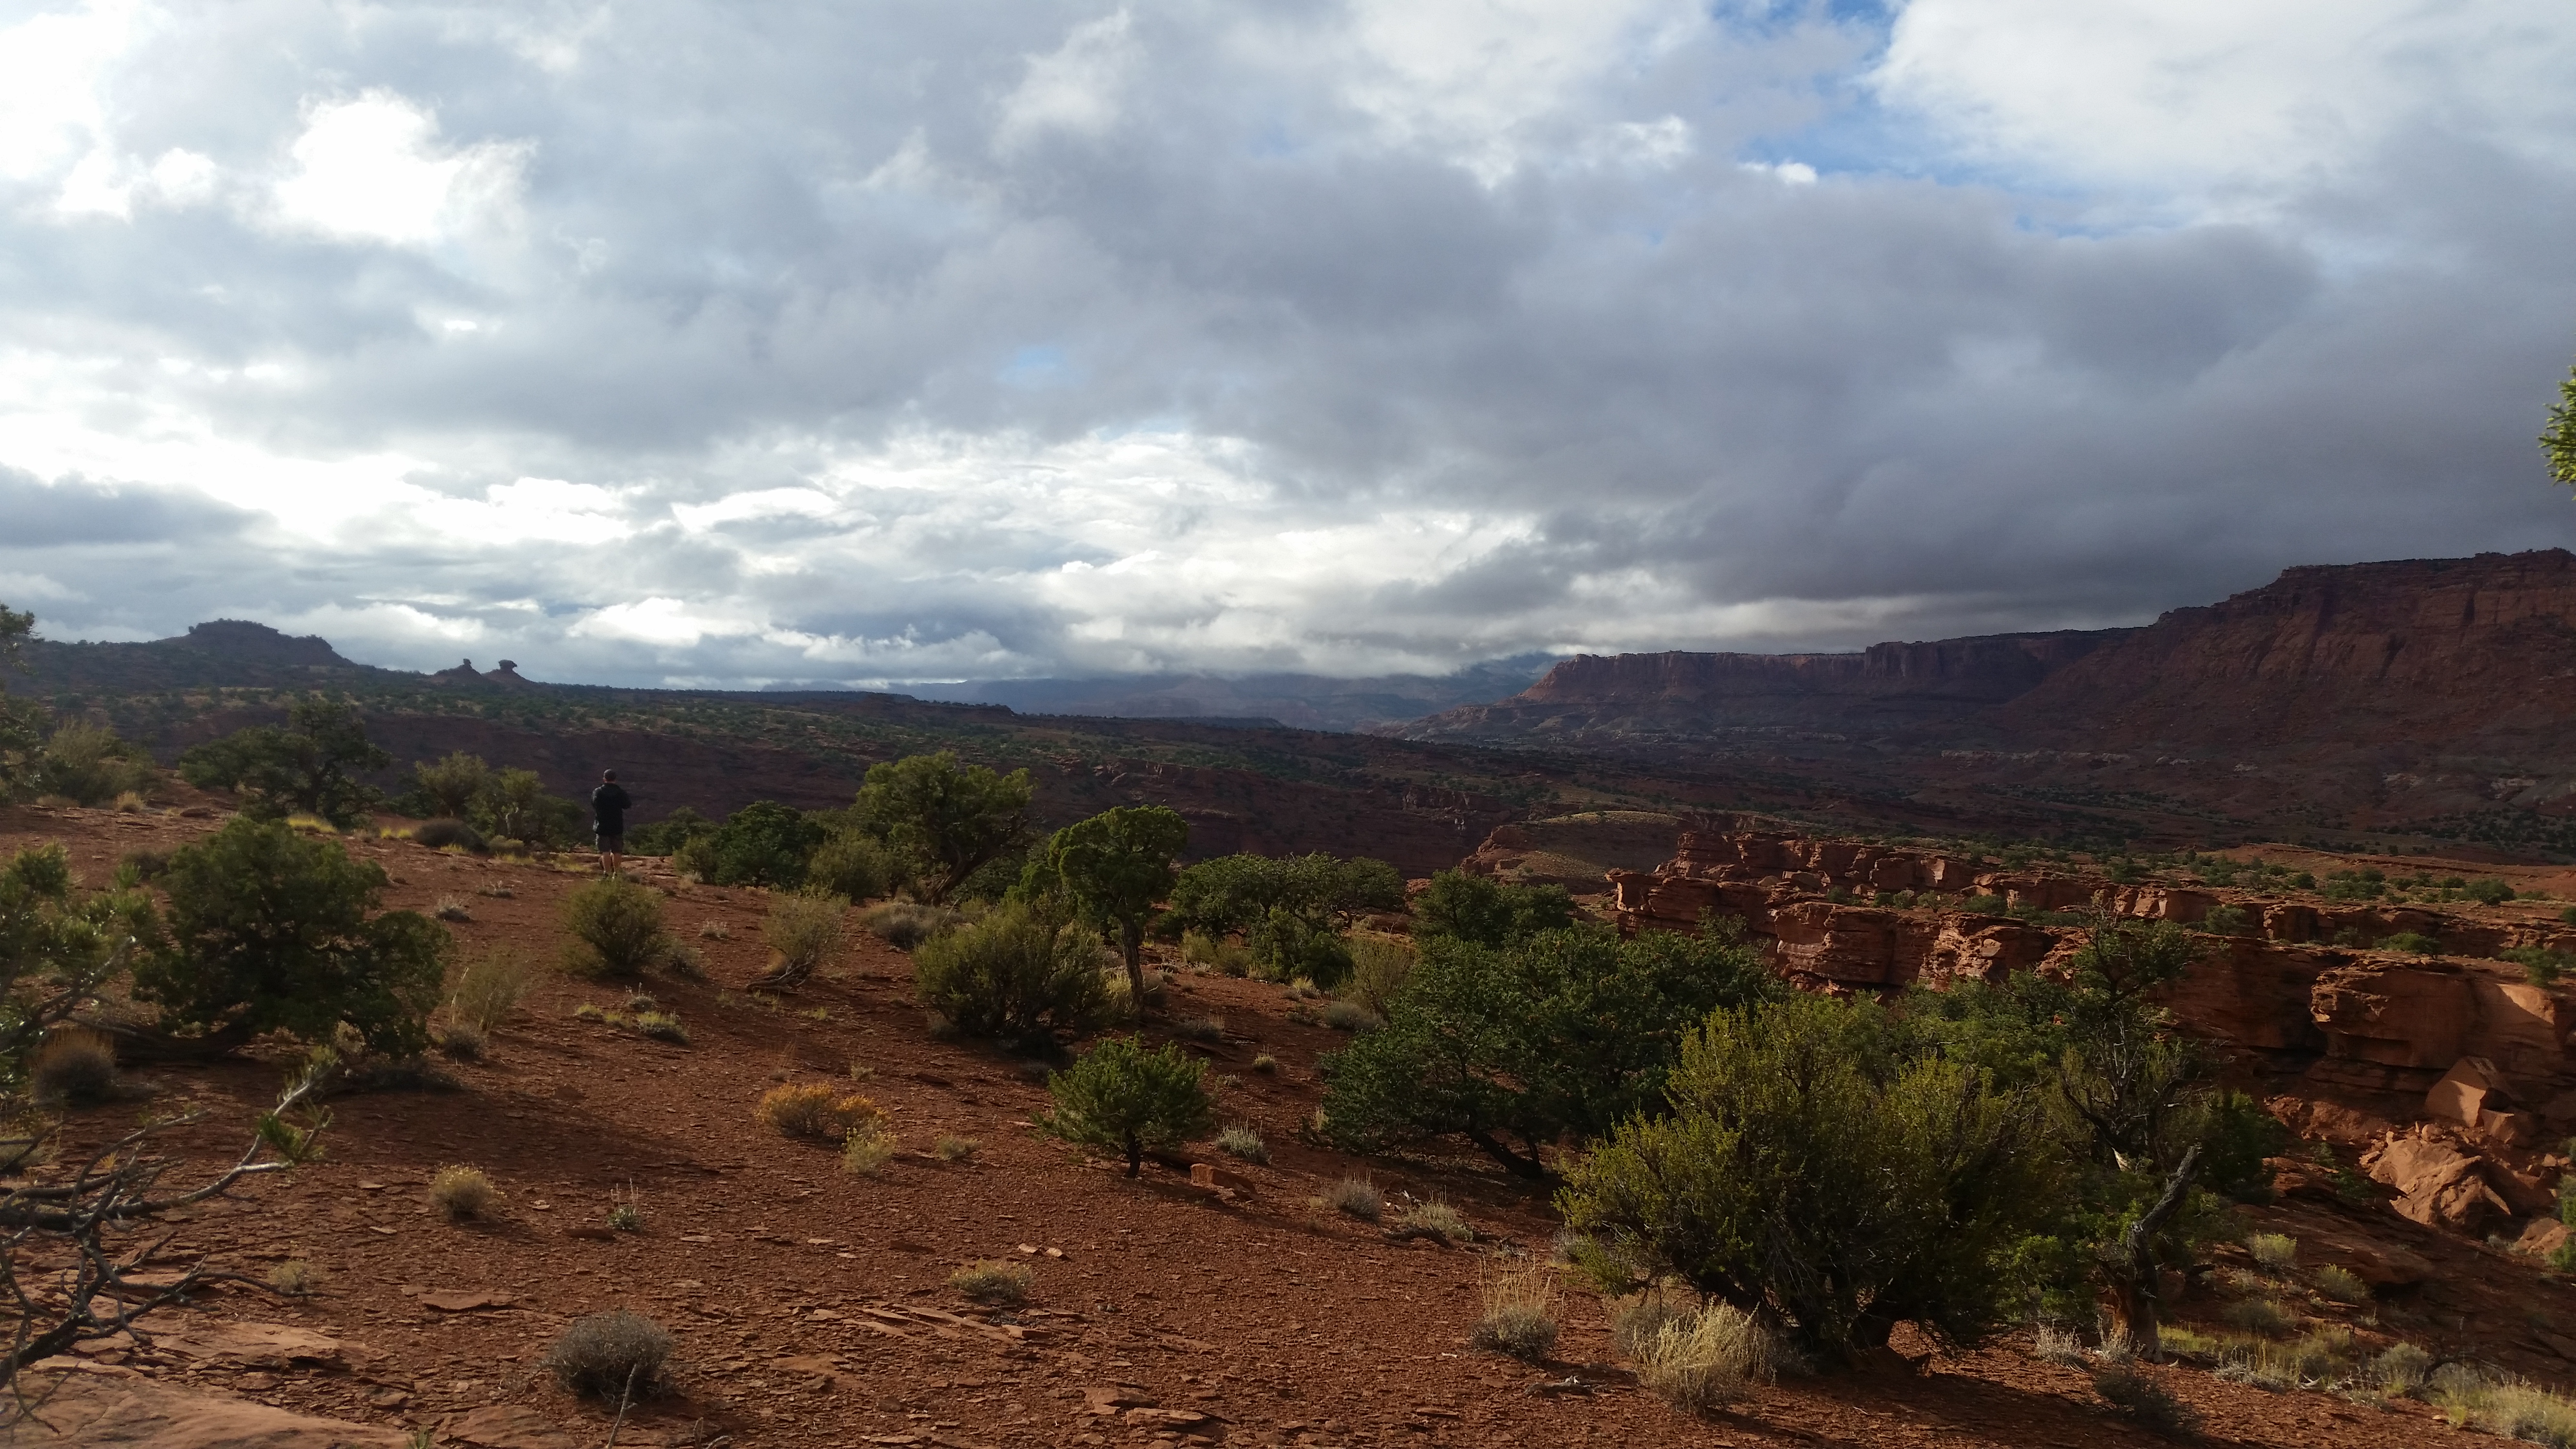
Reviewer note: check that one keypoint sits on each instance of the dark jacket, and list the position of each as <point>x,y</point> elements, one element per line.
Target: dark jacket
<point>608,806</point>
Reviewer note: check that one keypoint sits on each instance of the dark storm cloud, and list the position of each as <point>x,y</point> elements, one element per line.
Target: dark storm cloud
<point>1185,336</point>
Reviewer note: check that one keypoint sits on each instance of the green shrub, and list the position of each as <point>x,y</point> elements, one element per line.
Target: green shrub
<point>1486,912</point>
<point>867,1149</point>
<point>307,766</point>
<point>2402,1369</point>
<point>666,835</point>
<point>2265,1316</point>
<point>1239,892</point>
<point>2491,892</point>
<point>89,764</point>
<point>1379,967</point>
<point>1124,1098</point>
<point>1112,868</point>
<point>2273,1252</point>
<point>616,927</point>
<point>763,843</point>
<point>952,1148</point>
<point>1812,1162</point>
<point>1020,974</point>
<point>2412,943</point>
<point>2342,1284</point>
<point>1243,1142</point>
<point>57,947</point>
<point>954,819</point>
<point>1515,1048</point>
<point>440,834</point>
<point>270,931</point>
<point>854,867</point>
<point>2226,920</point>
<point>449,787</point>
<point>611,1356</point>
<point>2540,966</point>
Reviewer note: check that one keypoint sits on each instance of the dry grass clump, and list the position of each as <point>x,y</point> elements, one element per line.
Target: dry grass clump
<point>1379,966</point>
<point>488,988</point>
<point>1355,1197</point>
<point>1200,1028</point>
<point>953,1148</point>
<point>2273,1252</point>
<point>867,1149</point>
<point>2511,1407</point>
<point>2056,1343</point>
<point>661,1026</point>
<point>1705,1358</point>
<point>1519,1298</point>
<point>2342,1285</point>
<point>816,1111</point>
<point>1347,1016</point>
<point>2144,1401</point>
<point>463,1193</point>
<point>1440,1220</point>
<point>461,1042</point>
<point>626,1210</point>
<point>994,1281</point>
<point>446,834</point>
<point>612,1356</point>
<point>1244,1142</point>
<point>906,924</point>
<point>1266,1064</point>
<point>295,1278</point>
<point>2403,1369</point>
<point>712,929</point>
<point>131,802</point>
<point>803,931</point>
<point>449,908</point>
<point>2267,1316</point>
<point>75,1067</point>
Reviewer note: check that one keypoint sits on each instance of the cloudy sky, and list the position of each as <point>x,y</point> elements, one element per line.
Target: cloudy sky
<point>743,342</point>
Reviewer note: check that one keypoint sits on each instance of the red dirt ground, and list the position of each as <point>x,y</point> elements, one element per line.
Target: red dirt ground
<point>812,1306</point>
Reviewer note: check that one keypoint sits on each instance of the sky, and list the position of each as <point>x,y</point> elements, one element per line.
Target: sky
<point>654,342</point>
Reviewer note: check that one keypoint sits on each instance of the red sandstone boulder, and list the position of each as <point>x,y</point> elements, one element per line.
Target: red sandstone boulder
<point>2437,1184</point>
<point>2398,1016</point>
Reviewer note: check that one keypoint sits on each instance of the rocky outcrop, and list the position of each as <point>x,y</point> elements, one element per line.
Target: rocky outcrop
<point>88,1409</point>
<point>2468,654</point>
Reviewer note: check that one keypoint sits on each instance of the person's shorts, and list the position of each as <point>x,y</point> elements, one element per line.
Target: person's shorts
<point>612,842</point>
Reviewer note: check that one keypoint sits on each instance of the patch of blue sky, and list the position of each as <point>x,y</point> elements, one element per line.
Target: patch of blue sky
<point>1040,365</point>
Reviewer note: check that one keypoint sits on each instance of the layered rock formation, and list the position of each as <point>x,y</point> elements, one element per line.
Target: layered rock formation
<point>1885,686</point>
<point>2422,696</point>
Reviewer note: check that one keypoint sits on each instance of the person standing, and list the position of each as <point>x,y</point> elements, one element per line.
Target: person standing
<point>608,806</point>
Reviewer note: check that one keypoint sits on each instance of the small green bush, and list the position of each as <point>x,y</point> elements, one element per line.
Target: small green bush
<point>271,931</point>
<point>854,867</point>
<point>616,927</point>
<point>2540,966</point>
<point>1348,1016</point>
<point>611,1356</point>
<point>1440,1220</point>
<point>2413,943</point>
<point>1379,967</point>
<point>953,1148</point>
<point>2342,1284</point>
<point>867,1149</point>
<point>2228,920</point>
<point>2258,1315</point>
<point>2402,1369</point>
<point>763,843</point>
<point>441,834</point>
<point>1020,974</point>
<point>2273,1252</point>
<point>295,1278</point>
<point>2489,892</point>
<point>1122,1097</point>
<point>804,930</point>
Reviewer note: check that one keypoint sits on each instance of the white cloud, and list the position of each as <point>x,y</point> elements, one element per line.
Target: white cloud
<point>2188,95</point>
<point>373,169</point>
<point>1074,88</point>
<point>50,74</point>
